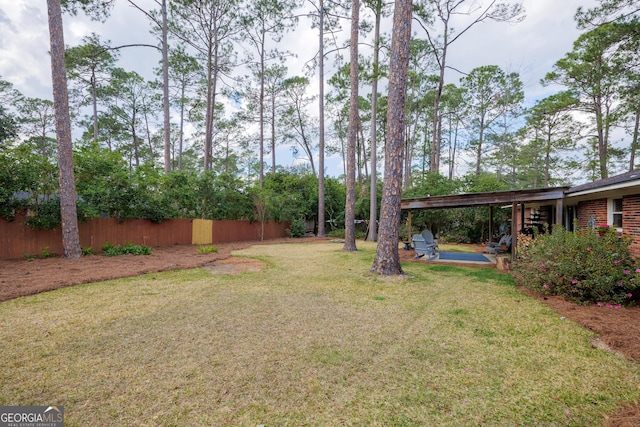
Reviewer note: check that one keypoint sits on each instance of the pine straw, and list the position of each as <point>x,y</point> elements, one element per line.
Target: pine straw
<point>312,339</point>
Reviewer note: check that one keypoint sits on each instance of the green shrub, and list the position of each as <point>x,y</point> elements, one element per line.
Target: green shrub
<point>87,251</point>
<point>580,266</point>
<point>207,249</point>
<point>45,253</point>
<point>340,233</point>
<point>129,249</point>
<point>47,215</point>
<point>337,233</point>
<point>297,227</point>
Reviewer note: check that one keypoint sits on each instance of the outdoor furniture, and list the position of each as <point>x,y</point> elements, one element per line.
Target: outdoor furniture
<point>425,244</point>
<point>504,245</point>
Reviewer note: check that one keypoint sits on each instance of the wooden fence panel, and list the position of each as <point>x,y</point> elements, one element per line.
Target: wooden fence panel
<point>17,240</point>
<point>97,231</point>
<point>225,231</point>
<point>202,232</point>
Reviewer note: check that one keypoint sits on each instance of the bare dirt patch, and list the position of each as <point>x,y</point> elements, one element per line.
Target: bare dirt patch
<point>234,266</point>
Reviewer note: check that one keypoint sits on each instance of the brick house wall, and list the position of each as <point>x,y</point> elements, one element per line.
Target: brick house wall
<point>630,218</point>
<point>592,208</point>
<point>631,222</point>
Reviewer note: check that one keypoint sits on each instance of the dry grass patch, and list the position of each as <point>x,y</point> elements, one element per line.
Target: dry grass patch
<point>311,339</point>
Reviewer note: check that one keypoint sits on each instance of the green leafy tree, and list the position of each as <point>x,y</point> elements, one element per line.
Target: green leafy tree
<point>102,181</point>
<point>590,72</point>
<point>26,179</point>
<point>209,27</point>
<point>265,21</point>
<point>490,93</point>
<point>552,130</point>
<point>179,195</point>
<point>37,125</point>
<point>275,87</point>
<point>184,71</point>
<point>130,104</point>
<point>607,11</point>
<point>89,67</point>
<point>8,128</point>
<point>453,119</point>
<point>438,19</point>
<point>421,90</point>
<point>223,196</point>
<point>295,120</point>
<point>293,195</point>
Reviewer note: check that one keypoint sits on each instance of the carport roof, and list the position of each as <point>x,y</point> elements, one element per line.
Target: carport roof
<point>483,199</point>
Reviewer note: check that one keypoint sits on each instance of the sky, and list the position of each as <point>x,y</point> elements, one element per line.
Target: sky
<point>530,47</point>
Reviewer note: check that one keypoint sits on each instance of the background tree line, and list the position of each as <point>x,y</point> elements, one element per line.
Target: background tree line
<point>232,101</point>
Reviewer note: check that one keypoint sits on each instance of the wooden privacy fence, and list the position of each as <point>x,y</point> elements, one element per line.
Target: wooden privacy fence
<point>17,240</point>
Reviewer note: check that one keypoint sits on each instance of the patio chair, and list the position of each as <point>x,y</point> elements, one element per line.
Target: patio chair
<point>494,248</point>
<point>425,244</point>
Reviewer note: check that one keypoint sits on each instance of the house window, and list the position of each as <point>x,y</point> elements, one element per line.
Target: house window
<point>616,213</point>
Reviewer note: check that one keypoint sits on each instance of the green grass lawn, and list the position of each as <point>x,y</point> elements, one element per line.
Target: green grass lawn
<point>313,339</point>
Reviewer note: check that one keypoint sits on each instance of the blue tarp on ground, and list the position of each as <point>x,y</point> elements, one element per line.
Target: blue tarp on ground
<point>462,256</point>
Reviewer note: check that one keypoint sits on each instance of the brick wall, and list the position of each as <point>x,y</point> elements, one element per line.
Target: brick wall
<point>630,218</point>
<point>592,208</point>
<point>631,222</point>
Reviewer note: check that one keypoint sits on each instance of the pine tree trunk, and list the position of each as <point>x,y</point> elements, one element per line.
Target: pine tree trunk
<point>70,235</point>
<point>634,142</point>
<point>165,89</point>
<point>350,208</point>
<point>208,120</point>
<point>373,182</point>
<point>94,95</point>
<point>261,109</point>
<point>321,202</point>
<point>181,138</point>
<point>273,132</point>
<point>387,260</point>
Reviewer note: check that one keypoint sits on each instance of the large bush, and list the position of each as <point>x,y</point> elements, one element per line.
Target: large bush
<point>581,266</point>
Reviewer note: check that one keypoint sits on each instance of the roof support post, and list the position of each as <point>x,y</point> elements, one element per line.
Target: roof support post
<point>409,234</point>
<point>514,228</point>
<point>490,223</point>
<point>559,211</point>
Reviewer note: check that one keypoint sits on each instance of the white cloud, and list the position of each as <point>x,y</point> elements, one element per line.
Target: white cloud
<point>530,47</point>
<point>24,57</point>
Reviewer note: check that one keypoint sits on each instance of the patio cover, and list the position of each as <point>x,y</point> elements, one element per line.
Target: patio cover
<point>491,199</point>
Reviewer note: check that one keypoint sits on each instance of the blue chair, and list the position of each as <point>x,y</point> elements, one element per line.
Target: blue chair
<point>494,248</point>
<point>425,244</point>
